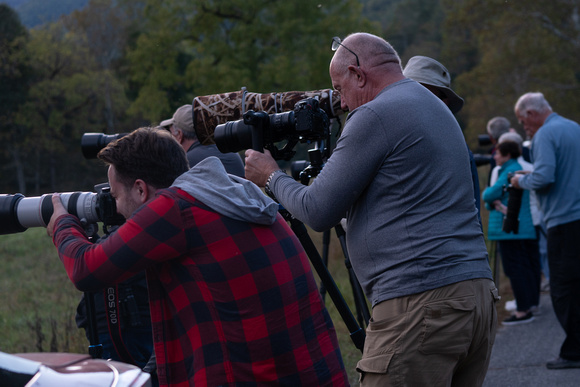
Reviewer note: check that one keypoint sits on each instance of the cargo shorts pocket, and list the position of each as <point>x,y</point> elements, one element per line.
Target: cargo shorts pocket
<point>448,326</point>
<point>381,344</point>
<point>378,364</point>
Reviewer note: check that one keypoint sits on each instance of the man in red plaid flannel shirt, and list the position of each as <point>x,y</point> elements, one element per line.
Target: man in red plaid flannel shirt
<point>233,299</point>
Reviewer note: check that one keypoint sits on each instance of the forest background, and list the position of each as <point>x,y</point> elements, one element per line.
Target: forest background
<point>112,66</point>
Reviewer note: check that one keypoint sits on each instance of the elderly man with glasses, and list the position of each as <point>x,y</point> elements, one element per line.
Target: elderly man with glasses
<point>400,175</point>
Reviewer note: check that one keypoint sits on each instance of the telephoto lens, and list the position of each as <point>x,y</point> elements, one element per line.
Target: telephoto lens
<point>511,221</point>
<point>18,213</point>
<point>92,143</point>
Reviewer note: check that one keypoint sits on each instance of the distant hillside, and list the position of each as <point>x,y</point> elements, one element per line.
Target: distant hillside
<point>36,12</point>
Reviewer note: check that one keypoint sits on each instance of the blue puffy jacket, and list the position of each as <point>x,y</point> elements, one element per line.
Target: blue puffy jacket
<point>495,192</point>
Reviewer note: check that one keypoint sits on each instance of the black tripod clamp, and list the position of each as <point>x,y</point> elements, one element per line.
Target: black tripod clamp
<point>357,334</point>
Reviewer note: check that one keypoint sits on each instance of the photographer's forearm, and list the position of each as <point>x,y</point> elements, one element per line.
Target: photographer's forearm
<point>317,210</point>
<point>71,242</point>
<point>538,179</point>
<point>544,173</point>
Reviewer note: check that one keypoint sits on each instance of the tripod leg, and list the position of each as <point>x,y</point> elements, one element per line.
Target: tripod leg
<point>357,334</point>
<point>362,309</point>
<point>95,348</point>
<point>325,246</point>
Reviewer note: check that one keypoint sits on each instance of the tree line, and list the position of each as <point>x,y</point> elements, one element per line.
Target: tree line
<point>114,66</point>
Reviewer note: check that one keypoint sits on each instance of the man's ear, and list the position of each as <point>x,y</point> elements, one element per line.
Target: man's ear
<point>178,134</point>
<point>361,76</point>
<point>143,190</point>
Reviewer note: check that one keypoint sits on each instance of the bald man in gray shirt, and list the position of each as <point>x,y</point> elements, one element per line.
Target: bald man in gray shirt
<point>400,174</point>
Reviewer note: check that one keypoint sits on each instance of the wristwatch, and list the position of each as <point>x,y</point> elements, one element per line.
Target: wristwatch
<point>267,187</point>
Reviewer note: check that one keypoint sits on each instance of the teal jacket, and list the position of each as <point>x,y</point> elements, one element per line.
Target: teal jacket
<point>495,192</point>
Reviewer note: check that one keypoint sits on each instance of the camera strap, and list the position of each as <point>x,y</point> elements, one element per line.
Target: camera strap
<point>245,92</point>
<point>113,311</point>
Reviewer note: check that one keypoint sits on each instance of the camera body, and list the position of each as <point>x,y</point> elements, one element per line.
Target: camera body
<point>483,140</point>
<point>259,130</point>
<point>511,221</point>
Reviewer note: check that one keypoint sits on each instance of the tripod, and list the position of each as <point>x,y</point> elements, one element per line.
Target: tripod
<point>357,334</point>
<point>95,346</point>
<point>362,309</point>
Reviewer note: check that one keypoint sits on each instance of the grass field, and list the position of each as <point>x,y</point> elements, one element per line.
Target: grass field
<point>39,302</point>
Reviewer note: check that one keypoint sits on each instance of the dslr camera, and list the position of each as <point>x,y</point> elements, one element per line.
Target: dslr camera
<point>259,130</point>
<point>511,221</point>
<point>483,140</point>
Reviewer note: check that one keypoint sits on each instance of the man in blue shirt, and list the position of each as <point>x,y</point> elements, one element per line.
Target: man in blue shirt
<point>556,180</point>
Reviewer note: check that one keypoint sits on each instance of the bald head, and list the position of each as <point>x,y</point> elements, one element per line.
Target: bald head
<point>380,66</point>
<point>373,51</point>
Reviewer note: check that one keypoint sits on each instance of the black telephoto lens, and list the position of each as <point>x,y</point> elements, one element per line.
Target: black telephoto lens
<point>92,143</point>
<point>233,136</point>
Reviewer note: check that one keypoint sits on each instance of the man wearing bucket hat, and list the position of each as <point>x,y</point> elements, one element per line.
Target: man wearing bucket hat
<point>181,127</point>
<point>435,77</point>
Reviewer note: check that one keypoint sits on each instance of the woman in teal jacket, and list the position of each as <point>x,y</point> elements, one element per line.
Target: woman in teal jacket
<point>519,252</point>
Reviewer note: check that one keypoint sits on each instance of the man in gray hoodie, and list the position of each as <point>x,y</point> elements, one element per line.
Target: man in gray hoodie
<point>233,299</point>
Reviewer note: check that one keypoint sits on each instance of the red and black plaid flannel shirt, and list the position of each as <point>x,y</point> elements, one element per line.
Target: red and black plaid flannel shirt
<point>232,303</point>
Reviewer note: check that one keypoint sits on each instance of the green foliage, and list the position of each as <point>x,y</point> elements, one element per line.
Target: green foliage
<point>74,91</point>
<point>213,47</point>
<point>511,48</point>
<point>14,73</point>
<point>12,70</point>
<point>64,100</point>
<point>411,26</point>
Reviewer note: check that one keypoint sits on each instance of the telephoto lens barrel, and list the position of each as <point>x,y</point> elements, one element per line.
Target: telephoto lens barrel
<point>18,213</point>
<point>92,143</point>
<point>233,136</point>
<point>511,221</point>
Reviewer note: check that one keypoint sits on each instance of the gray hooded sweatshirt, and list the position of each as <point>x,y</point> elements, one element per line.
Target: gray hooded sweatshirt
<point>226,194</point>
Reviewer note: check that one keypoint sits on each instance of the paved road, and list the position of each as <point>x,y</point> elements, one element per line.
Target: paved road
<point>521,351</point>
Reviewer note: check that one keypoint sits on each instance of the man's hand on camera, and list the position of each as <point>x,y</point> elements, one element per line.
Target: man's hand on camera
<point>259,166</point>
<point>58,211</point>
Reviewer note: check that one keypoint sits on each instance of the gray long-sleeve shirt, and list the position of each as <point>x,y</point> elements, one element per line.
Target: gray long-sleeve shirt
<point>400,173</point>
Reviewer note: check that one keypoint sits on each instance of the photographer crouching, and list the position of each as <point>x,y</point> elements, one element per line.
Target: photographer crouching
<point>400,175</point>
<point>233,299</point>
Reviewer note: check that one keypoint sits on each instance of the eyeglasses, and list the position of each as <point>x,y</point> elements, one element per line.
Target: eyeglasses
<point>336,42</point>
